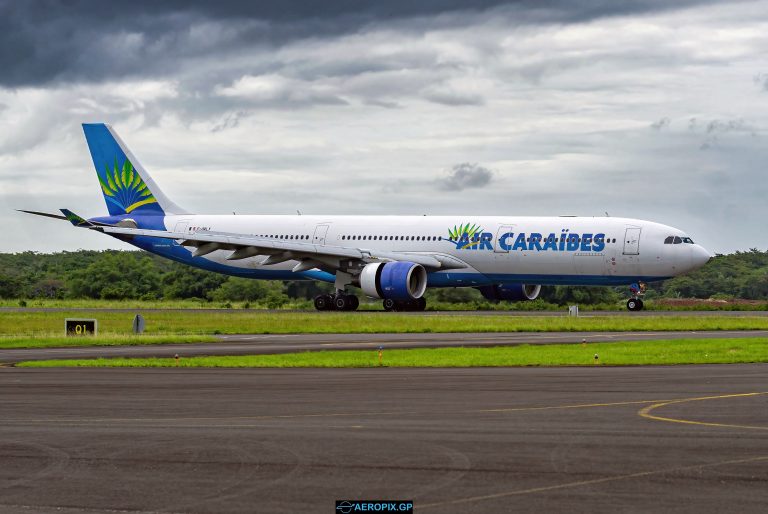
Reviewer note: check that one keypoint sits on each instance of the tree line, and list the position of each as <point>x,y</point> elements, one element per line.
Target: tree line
<point>135,275</point>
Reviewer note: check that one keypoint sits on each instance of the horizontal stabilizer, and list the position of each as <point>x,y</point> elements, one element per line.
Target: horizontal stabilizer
<point>46,214</point>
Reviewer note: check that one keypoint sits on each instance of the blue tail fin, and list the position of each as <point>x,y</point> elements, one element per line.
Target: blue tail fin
<point>126,185</point>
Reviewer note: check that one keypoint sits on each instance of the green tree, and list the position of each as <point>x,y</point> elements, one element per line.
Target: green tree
<point>237,289</point>
<point>10,286</point>
<point>189,282</point>
<point>119,275</point>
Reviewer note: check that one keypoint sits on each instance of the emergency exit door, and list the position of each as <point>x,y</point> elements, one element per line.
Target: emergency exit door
<point>321,231</point>
<point>632,241</point>
<point>181,226</point>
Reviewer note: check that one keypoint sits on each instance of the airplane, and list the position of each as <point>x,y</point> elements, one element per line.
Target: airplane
<point>391,258</point>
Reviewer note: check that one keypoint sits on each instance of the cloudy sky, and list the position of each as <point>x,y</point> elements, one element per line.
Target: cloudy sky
<point>351,107</point>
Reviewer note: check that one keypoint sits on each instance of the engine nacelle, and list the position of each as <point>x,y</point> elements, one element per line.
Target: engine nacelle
<point>394,280</point>
<point>510,292</point>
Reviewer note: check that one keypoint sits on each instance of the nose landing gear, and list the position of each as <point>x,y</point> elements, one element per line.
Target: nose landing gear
<point>636,303</point>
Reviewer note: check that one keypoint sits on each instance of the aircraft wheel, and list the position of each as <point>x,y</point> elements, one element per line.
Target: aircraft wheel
<point>407,305</point>
<point>341,302</point>
<point>323,302</point>
<point>389,305</point>
<point>639,304</point>
<point>421,304</point>
<point>634,304</point>
<point>354,303</point>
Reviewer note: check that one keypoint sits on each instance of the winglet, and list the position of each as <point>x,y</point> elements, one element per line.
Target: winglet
<point>76,220</point>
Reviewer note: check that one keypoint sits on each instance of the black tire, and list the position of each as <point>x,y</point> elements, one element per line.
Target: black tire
<point>632,304</point>
<point>341,302</point>
<point>354,303</point>
<point>389,305</point>
<point>639,304</point>
<point>323,302</point>
<point>421,304</point>
<point>406,305</point>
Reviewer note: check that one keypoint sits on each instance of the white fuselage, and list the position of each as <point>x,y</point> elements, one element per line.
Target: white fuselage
<point>495,249</point>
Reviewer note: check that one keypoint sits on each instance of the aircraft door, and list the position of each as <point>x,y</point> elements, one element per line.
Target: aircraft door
<point>321,231</point>
<point>632,241</point>
<point>181,226</point>
<point>503,229</point>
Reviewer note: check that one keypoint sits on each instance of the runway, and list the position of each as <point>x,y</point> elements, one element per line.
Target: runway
<point>600,439</point>
<point>285,343</point>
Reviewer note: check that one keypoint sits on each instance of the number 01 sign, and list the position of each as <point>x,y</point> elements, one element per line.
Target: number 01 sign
<point>80,327</point>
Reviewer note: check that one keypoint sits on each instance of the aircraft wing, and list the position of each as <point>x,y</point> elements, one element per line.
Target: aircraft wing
<point>310,255</point>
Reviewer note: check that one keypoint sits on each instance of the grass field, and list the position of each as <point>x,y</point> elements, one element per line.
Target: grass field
<point>25,324</point>
<point>664,352</point>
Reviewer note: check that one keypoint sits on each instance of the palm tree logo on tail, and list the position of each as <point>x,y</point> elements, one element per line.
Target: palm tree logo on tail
<point>125,188</point>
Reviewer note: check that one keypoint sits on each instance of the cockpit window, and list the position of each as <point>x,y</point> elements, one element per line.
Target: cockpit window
<point>676,240</point>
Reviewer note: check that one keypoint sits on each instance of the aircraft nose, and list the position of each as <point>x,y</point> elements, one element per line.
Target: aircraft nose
<point>699,256</point>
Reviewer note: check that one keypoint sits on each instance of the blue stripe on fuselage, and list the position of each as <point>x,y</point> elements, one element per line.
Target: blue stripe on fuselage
<point>448,279</point>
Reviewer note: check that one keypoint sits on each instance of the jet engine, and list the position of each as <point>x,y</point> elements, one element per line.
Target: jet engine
<point>510,292</point>
<point>394,280</point>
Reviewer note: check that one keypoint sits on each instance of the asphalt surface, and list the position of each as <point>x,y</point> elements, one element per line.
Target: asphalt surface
<point>600,439</point>
<point>286,343</point>
<point>564,312</point>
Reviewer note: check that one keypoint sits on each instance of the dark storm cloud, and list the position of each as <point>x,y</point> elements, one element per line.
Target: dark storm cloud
<point>465,176</point>
<point>87,40</point>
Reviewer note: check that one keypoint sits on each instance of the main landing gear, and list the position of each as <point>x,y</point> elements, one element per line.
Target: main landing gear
<point>637,290</point>
<point>405,305</point>
<point>339,301</point>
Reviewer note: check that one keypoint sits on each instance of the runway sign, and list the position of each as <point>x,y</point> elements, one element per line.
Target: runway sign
<point>80,327</point>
